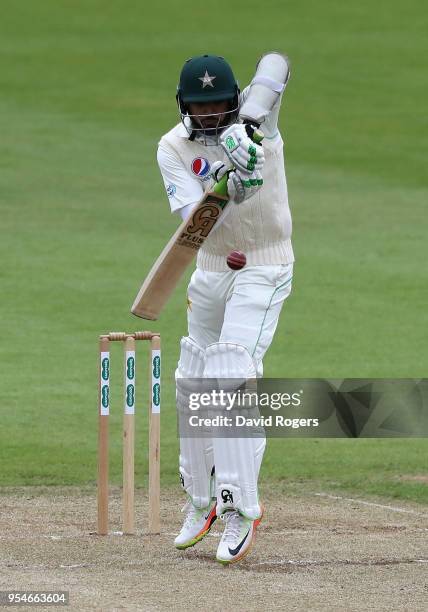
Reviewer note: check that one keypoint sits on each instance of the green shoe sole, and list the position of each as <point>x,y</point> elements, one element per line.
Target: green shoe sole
<point>192,542</point>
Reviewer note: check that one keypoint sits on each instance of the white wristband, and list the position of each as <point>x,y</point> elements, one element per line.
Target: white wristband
<point>273,85</point>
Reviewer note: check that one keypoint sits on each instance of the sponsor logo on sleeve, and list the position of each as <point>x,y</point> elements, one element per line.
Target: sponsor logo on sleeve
<point>170,190</point>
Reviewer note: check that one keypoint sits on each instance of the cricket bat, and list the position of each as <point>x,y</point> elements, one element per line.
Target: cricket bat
<point>181,250</point>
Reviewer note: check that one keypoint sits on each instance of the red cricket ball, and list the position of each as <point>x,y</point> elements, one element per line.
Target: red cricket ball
<point>236,260</point>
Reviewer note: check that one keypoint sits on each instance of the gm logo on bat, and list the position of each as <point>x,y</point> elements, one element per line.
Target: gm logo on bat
<point>204,220</point>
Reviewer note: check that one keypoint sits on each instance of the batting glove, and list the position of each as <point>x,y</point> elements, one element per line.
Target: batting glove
<point>245,155</point>
<point>240,186</point>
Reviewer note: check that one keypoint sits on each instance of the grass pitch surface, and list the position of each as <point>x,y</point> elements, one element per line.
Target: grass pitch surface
<point>87,90</point>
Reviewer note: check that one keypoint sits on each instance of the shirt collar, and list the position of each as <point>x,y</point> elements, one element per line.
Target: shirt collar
<point>182,132</point>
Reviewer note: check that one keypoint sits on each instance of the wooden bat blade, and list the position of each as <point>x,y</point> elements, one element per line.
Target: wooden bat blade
<point>177,255</point>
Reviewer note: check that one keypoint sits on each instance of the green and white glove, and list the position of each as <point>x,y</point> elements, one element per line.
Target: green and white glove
<point>244,154</point>
<point>240,186</point>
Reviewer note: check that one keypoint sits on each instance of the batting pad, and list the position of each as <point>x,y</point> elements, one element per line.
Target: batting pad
<point>237,460</point>
<point>196,454</point>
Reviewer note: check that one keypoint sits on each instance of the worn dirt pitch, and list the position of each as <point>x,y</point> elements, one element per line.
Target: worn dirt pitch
<point>313,553</point>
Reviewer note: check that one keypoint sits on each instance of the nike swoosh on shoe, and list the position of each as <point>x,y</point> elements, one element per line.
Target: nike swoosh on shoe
<point>235,551</point>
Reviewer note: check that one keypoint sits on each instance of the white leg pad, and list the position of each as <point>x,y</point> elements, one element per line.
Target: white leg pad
<point>237,460</point>
<point>196,454</point>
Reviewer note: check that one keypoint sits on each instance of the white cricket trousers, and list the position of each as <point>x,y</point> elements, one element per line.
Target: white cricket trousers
<point>241,307</point>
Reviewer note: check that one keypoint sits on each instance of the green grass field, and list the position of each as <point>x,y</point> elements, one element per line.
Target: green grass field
<point>87,89</point>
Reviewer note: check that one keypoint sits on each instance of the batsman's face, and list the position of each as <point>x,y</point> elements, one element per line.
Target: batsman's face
<point>209,114</point>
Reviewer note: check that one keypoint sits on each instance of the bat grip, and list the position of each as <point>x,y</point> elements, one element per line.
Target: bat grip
<point>221,186</point>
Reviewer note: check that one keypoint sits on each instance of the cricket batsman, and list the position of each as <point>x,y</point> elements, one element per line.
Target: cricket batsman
<point>232,314</point>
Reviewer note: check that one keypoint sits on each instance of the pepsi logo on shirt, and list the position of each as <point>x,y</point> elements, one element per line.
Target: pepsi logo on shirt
<point>201,167</point>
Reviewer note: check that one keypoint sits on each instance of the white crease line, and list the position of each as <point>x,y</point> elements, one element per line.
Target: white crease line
<point>209,535</point>
<point>285,532</point>
<point>42,536</point>
<point>306,562</point>
<point>289,562</point>
<point>367,503</point>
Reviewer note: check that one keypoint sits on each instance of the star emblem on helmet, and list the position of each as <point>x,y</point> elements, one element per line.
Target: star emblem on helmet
<point>207,80</point>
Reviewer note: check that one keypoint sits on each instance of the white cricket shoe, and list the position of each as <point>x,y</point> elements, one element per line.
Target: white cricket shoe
<point>196,525</point>
<point>238,537</point>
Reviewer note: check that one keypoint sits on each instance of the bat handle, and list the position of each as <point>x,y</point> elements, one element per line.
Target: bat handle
<point>254,133</point>
<point>221,187</point>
